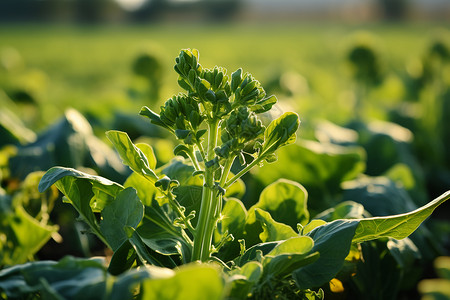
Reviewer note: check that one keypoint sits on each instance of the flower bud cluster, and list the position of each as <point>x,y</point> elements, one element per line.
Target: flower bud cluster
<point>181,113</point>
<point>230,103</point>
<point>239,129</point>
<point>247,90</point>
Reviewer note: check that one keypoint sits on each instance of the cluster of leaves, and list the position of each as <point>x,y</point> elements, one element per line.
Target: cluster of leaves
<point>25,220</point>
<point>272,249</point>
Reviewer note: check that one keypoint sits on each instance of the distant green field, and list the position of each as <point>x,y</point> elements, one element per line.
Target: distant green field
<point>89,68</point>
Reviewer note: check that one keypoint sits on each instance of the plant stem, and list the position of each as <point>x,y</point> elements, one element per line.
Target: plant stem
<point>226,170</point>
<point>176,207</point>
<point>194,160</point>
<point>243,171</point>
<point>206,222</point>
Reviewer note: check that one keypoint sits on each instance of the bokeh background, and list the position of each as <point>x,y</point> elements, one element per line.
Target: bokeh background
<point>370,81</point>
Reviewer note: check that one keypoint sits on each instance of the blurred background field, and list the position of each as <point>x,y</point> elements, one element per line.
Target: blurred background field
<point>370,82</point>
<point>89,67</point>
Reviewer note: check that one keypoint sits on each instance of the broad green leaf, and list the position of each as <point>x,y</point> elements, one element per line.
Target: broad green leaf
<point>251,253</point>
<point>272,230</point>
<point>383,197</point>
<point>70,278</point>
<point>405,253</point>
<point>146,255</point>
<point>243,279</point>
<point>332,241</point>
<point>178,170</point>
<point>320,168</point>
<point>283,265</point>
<point>397,226</point>
<point>122,259</point>
<point>280,132</point>
<point>131,155</point>
<point>159,234</point>
<point>125,210</point>
<point>237,189</point>
<point>285,200</point>
<point>104,190</point>
<point>125,284</point>
<point>194,282</point>
<point>87,193</point>
<point>232,218</point>
<point>311,225</point>
<point>299,245</point>
<point>73,278</point>
<point>145,189</point>
<point>288,256</point>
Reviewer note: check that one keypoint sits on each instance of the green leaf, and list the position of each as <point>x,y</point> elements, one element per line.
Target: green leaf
<point>154,117</point>
<point>70,278</point>
<point>321,169</point>
<point>298,244</point>
<point>333,242</point>
<point>311,225</point>
<point>397,226</point>
<point>288,256</point>
<point>126,210</point>
<point>145,190</point>
<point>87,193</point>
<point>264,105</point>
<point>99,183</point>
<point>243,279</point>
<point>232,220</point>
<point>146,255</point>
<point>285,200</point>
<point>272,230</point>
<point>125,284</point>
<point>29,235</point>
<point>122,259</point>
<point>280,132</point>
<point>159,234</point>
<point>131,155</point>
<point>194,282</point>
<point>251,253</point>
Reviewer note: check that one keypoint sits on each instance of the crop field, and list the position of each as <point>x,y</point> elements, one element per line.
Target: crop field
<point>72,67</point>
<point>136,158</point>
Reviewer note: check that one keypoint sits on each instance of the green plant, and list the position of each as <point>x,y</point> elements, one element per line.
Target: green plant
<point>273,249</point>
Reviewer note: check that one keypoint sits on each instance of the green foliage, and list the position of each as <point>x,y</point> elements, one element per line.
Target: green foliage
<point>24,221</point>
<point>178,225</point>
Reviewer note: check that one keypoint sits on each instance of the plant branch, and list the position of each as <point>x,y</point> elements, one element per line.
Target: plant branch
<point>205,228</point>
<point>243,171</point>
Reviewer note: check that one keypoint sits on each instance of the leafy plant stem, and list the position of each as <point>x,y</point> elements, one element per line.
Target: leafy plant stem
<point>193,158</point>
<point>209,201</point>
<point>176,206</point>
<point>226,170</point>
